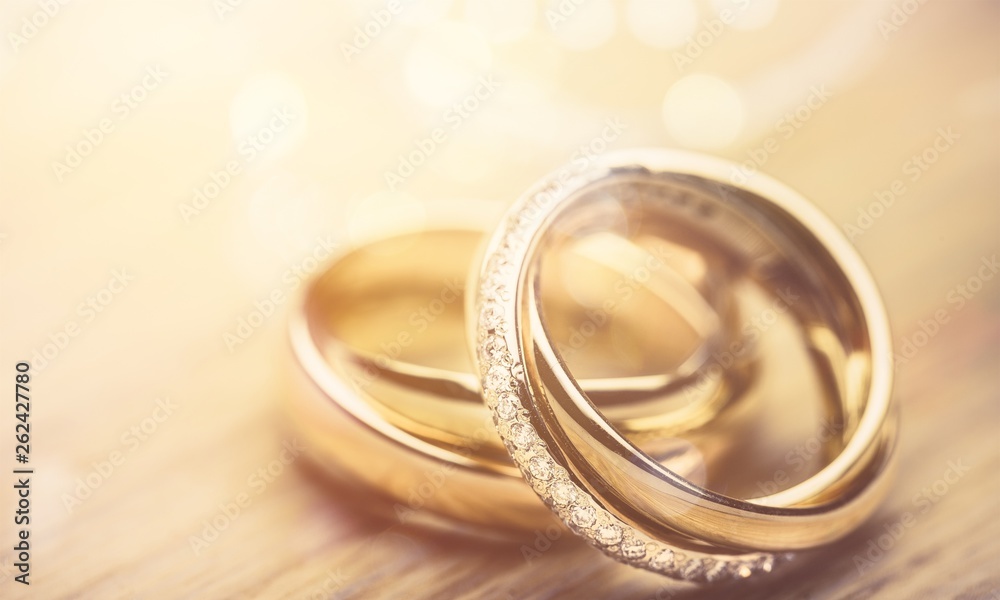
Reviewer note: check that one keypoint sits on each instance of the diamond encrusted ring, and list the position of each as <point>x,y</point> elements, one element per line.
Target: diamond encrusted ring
<point>594,478</point>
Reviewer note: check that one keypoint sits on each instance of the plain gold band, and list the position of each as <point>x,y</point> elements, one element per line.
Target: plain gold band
<point>411,425</point>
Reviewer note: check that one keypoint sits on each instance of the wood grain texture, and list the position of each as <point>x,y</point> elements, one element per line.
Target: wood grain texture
<point>129,535</point>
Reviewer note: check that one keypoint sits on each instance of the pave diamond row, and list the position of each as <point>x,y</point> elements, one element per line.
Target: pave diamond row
<point>503,385</point>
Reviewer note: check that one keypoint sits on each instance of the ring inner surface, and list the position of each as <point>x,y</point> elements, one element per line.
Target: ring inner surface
<point>797,309</point>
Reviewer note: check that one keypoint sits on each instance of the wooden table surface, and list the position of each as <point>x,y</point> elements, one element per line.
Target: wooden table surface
<point>149,419</point>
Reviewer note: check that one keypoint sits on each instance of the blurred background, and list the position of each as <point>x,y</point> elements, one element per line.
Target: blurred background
<point>166,167</point>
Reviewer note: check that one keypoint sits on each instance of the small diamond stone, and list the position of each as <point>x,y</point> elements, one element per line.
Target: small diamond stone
<point>507,405</point>
<point>491,315</point>
<point>693,569</point>
<point>540,468</point>
<point>563,493</point>
<point>521,435</point>
<point>498,378</point>
<point>714,569</point>
<point>663,560</point>
<point>500,265</point>
<point>495,350</point>
<point>505,251</point>
<point>502,358</point>
<point>583,516</point>
<point>633,549</point>
<point>490,285</point>
<point>543,197</point>
<point>493,287</point>
<point>744,571</point>
<point>609,534</point>
<point>520,226</point>
<point>766,563</point>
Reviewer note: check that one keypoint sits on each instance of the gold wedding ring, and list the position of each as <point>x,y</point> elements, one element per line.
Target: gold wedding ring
<point>599,482</point>
<point>615,309</point>
<point>385,393</point>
